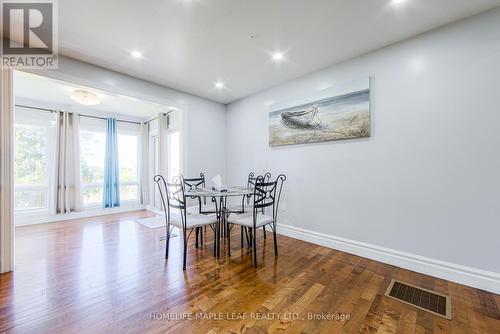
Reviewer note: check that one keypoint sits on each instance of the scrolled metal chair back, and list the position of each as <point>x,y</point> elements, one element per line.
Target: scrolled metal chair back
<point>268,193</point>
<point>194,182</point>
<point>172,196</point>
<point>251,183</point>
<point>176,196</point>
<point>252,178</point>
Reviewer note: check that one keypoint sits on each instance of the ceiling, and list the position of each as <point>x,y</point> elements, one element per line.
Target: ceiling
<point>191,44</point>
<point>37,91</point>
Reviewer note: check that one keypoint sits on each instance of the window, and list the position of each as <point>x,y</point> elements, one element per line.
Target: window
<point>92,150</point>
<point>128,163</point>
<point>174,153</point>
<point>154,167</point>
<point>31,167</point>
<point>174,143</point>
<point>92,157</point>
<point>33,139</point>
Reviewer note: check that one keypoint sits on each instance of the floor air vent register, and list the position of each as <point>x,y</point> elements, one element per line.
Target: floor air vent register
<point>423,299</point>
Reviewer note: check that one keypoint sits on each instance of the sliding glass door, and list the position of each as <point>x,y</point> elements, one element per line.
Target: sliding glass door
<point>172,154</point>
<point>156,170</point>
<point>174,144</point>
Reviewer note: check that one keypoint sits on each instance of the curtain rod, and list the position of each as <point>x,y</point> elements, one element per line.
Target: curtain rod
<point>89,116</point>
<point>152,119</point>
<point>35,108</point>
<point>118,120</point>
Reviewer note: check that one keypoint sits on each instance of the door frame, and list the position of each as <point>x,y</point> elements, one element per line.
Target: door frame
<point>6,171</point>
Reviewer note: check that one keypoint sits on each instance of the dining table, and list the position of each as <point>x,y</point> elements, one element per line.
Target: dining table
<point>219,197</point>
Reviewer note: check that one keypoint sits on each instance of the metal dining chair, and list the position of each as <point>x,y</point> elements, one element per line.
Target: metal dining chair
<point>245,200</point>
<point>197,183</point>
<point>202,207</point>
<point>246,206</point>
<point>172,196</point>
<point>266,195</point>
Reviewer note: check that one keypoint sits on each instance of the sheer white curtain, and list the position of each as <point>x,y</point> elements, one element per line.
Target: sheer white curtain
<point>6,171</point>
<point>144,166</point>
<point>66,192</point>
<point>162,145</point>
<point>174,142</point>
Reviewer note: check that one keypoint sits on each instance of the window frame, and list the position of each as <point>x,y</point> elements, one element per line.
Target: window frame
<point>129,129</point>
<point>91,186</point>
<point>24,116</point>
<point>91,125</point>
<point>123,129</point>
<point>175,123</point>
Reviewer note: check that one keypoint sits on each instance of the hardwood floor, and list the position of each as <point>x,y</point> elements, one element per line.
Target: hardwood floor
<point>108,275</point>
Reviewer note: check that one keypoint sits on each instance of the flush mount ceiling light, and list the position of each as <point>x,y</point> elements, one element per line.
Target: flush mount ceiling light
<point>219,85</point>
<point>84,97</point>
<point>397,2</point>
<point>136,54</point>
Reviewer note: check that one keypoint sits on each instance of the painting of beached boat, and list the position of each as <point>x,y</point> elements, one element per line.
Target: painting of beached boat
<point>343,115</point>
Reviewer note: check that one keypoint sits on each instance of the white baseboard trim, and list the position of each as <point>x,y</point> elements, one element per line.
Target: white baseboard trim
<point>43,218</point>
<point>154,210</point>
<point>473,277</point>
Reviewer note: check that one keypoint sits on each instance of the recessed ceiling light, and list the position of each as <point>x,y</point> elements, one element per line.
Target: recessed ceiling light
<point>219,85</point>
<point>84,97</point>
<point>397,2</point>
<point>277,56</point>
<point>136,54</point>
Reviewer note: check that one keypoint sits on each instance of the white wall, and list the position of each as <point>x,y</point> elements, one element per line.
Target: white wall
<point>427,181</point>
<point>204,120</point>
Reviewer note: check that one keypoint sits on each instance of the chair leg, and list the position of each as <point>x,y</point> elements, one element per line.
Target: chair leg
<point>168,242</point>
<point>228,240</point>
<point>197,231</point>
<point>264,230</point>
<point>254,241</point>
<point>215,241</point>
<point>201,235</point>
<point>248,237</point>
<point>185,251</point>
<point>218,239</point>
<point>275,242</point>
<point>241,230</point>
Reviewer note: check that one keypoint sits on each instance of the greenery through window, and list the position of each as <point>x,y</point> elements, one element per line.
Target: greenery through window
<point>127,153</point>
<point>33,144</point>
<point>92,150</point>
<point>30,167</point>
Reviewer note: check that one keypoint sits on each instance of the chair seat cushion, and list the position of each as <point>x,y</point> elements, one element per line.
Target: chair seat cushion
<point>237,208</point>
<point>195,209</point>
<point>246,219</point>
<point>193,220</point>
